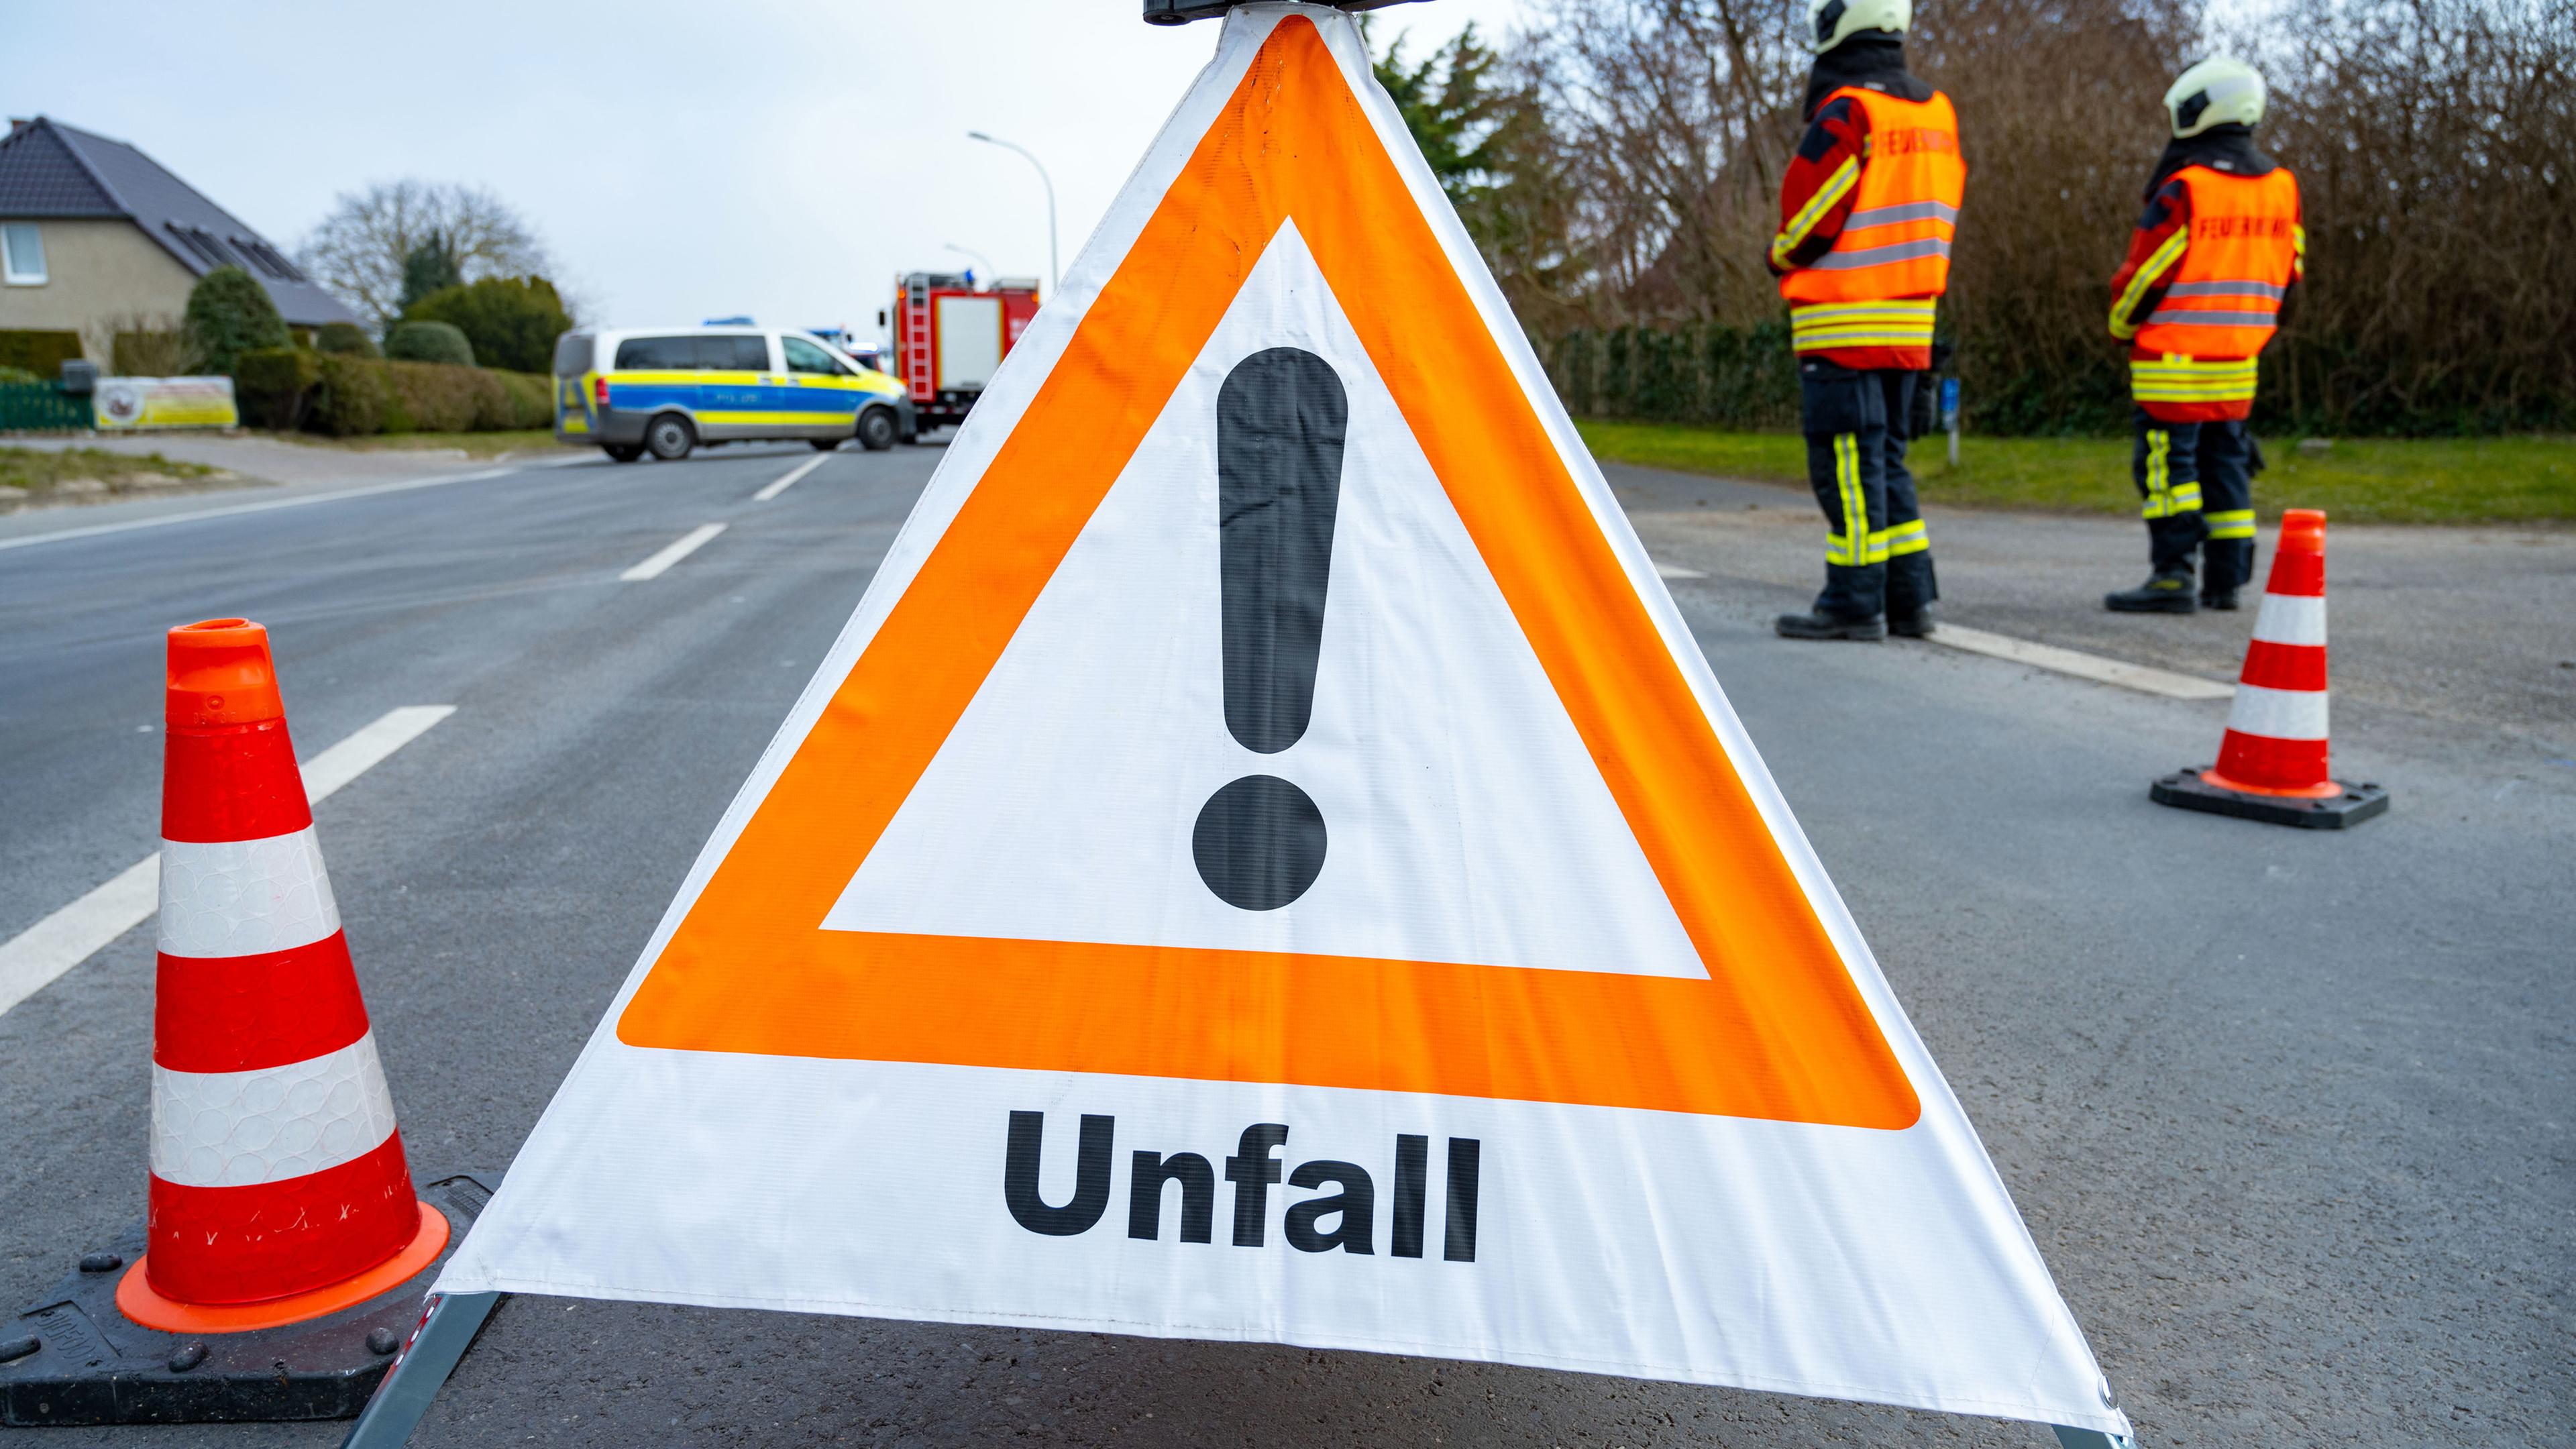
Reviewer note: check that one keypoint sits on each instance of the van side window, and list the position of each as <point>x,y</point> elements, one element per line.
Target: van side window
<point>733,354</point>
<point>657,354</point>
<point>804,356</point>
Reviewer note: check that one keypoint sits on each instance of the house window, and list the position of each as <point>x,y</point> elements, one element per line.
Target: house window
<point>22,254</point>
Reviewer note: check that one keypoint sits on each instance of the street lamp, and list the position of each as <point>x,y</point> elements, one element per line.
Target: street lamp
<point>1055,273</point>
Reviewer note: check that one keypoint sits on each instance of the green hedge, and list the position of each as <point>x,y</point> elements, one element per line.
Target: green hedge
<point>273,385</point>
<point>347,396</point>
<point>512,322</point>
<point>1747,378</point>
<point>230,313</point>
<point>1731,377</point>
<point>346,338</point>
<point>429,342</point>
<point>42,353</point>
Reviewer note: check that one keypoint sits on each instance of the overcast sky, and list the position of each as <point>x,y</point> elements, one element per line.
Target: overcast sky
<point>682,161</point>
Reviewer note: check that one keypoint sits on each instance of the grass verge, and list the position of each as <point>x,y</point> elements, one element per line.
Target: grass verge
<point>36,477</point>
<point>472,445</point>
<point>2355,480</point>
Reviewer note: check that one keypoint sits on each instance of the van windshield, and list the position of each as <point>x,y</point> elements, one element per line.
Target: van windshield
<point>572,354</point>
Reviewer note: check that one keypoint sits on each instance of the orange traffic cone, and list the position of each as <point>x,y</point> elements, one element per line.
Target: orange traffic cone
<point>279,1188</point>
<point>285,1254</point>
<point>2272,765</point>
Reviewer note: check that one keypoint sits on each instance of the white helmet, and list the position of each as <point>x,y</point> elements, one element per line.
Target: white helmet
<point>1831,22</point>
<point>2213,93</point>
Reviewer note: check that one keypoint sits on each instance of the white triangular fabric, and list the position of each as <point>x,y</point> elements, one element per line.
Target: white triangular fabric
<point>1851,1262</point>
<point>1466,821</point>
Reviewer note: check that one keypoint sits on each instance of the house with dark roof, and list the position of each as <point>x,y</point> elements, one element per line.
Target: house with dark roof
<point>92,232</point>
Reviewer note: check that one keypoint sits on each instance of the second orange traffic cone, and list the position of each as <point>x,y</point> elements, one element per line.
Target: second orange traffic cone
<point>2272,765</point>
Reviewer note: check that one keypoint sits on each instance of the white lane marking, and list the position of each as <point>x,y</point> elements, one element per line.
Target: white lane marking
<point>2279,714</point>
<point>32,959</point>
<point>678,549</point>
<point>2083,666</point>
<point>366,749</point>
<point>233,510</point>
<point>783,484</point>
<point>1676,571</point>
<point>35,956</point>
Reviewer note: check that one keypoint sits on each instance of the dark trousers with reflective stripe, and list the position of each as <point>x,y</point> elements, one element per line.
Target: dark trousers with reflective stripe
<point>2196,481</point>
<point>1877,557</point>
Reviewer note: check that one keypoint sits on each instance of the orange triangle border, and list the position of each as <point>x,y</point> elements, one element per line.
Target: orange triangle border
<point>1778,1030</point>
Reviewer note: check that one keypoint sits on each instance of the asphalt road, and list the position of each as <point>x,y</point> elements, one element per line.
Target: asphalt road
<point>2288,1113</point>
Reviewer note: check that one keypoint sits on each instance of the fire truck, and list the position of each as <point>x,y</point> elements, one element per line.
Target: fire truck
<point>949,334</point>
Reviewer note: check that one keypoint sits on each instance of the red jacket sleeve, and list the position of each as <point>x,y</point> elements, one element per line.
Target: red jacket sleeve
<point>2154,252</point>
<point>1816,193</point>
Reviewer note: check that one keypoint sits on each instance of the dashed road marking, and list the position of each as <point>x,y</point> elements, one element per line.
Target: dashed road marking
<point>789,481</point>
<point>36,956</point>
<point>678,549</point>
<point>1676,571</point>
<point>2141,677</point>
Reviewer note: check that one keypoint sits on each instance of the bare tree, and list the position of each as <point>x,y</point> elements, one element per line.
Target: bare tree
<point>359,249</point>
<point>2435,142</point>
<point>1683,112</point>
<point>144,344</point>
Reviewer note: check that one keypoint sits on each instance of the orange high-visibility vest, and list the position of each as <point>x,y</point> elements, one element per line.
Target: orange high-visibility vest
<point>2225,298</point>
<point>1895,245</point>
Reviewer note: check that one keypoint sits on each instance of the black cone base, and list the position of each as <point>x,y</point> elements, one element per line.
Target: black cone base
<point>92,1365</point>
<point>2185,789</point>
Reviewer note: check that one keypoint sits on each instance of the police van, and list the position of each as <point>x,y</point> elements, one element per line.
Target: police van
<point>667,390</point>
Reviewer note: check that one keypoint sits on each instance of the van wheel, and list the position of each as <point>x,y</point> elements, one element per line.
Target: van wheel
<point>669,437</point>
<point>876,429</point>
<point>623,452</point>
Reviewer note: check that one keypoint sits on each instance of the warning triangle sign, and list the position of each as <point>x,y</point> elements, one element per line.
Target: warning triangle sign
<point>1267,717</point>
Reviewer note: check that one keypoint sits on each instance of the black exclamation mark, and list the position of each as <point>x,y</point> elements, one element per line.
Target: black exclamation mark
<point>1279,424</point>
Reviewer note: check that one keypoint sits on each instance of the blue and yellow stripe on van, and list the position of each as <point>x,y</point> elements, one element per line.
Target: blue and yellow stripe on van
<point>748,399</point>
<point>572,404</point>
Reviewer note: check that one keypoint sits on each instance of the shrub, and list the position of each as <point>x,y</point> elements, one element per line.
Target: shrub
<point>429,342</point>
<point>229,313</point>
<point>347,339</point>
<point>532,399</point>
<point>351,398</point>
<point>42,353</point>
<point>431,397</point>
<point>348,396</point>
<point>155,352</point>
<point>272,385</point>
<point>20,377</point>
<point>512,321</point>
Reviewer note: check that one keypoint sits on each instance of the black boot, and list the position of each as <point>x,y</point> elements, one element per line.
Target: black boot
<point>1821,625</point>
<point>1917,625</point>
<point>2223,600</point>
<point>2168,593</point>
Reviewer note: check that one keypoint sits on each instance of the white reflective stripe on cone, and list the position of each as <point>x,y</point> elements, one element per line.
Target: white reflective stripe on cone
<point>242,897</point>
<point>2292,619</point>
<point>2279,714</point>
<point>240,1129</point>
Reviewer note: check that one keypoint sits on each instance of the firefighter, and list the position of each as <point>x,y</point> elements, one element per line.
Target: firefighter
<point>2215,256</point>
<point>1867,210</point>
